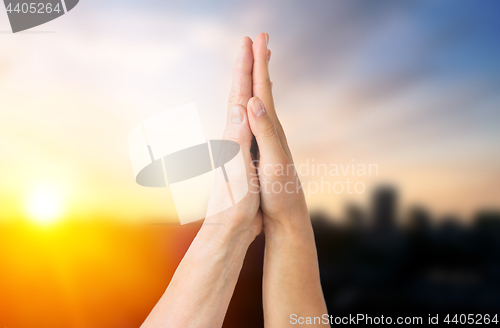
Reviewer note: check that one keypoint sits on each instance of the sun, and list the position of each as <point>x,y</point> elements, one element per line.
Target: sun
<point>45,204</point>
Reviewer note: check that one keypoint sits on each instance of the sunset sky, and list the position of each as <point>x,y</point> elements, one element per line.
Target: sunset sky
<point>410,86</point>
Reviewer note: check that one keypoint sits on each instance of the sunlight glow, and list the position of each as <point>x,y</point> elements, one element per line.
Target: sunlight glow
<point>45,204</point>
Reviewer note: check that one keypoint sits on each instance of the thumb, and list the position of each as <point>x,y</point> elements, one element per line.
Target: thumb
<point>237,129</point>
<point>231,178</point>
<point>265,131</point>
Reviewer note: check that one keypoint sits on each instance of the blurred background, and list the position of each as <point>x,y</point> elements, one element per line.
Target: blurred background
<point>408,86</point>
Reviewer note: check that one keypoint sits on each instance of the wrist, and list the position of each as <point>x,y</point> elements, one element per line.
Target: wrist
<point>293,225</point>
<point>221,235</point>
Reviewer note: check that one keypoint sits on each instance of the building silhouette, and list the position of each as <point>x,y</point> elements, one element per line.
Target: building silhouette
<point>384,208</point>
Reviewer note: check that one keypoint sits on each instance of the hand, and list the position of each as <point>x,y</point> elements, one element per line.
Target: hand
<point>291,274</point>
<point>282,198</point>
<point>201,288</point>
<point>244,218</point>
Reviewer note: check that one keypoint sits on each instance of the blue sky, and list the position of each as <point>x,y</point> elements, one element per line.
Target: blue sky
<point>409,85</point>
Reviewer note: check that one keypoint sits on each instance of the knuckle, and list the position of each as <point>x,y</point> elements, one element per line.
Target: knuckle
<point>269,130</point>
<point>235,97</point>
<point>232,134</point>
<point>266,82</point>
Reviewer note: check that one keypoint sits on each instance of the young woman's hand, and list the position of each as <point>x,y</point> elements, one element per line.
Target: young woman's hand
<point>282,198</point>
<point>291,282</point>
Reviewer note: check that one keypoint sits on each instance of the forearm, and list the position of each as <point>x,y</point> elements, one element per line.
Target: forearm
<point>202,286</point>
<point>291,283</point>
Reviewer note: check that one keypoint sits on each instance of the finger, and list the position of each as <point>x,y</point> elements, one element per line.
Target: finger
<point>237,126</point>
<point>241,89</point>
<point>262,85</point>
<point>261,80</point>
<point>269,56</point>
<point>238,130</point>
<point>265,131</point>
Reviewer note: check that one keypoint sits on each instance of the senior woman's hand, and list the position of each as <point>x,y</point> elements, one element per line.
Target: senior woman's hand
<point>244,219</point>
<point>202,286</point>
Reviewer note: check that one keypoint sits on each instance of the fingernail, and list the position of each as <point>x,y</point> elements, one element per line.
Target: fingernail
<point>236,115</point>
<point>267,39</point>
<point>257,107</point>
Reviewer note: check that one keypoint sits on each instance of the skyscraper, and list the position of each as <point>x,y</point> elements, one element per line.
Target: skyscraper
<point>384,208</point>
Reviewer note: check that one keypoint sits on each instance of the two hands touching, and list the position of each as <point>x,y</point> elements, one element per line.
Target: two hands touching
<point>202,286</point>
<point>251,113</point>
